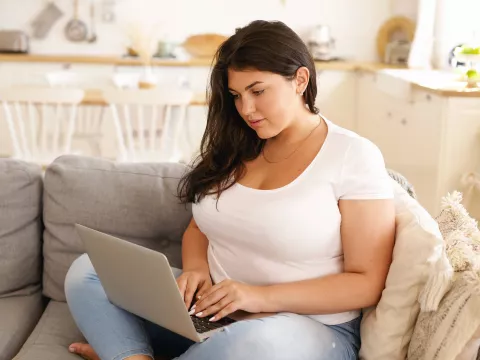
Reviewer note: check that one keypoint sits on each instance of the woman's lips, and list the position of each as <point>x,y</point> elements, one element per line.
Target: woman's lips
<point>255,122</point>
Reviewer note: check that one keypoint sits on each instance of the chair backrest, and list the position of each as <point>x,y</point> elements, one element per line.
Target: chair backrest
<point>72,79</point>
<point>89,117</point>
<point>41,120</point>
<point>144,120</point>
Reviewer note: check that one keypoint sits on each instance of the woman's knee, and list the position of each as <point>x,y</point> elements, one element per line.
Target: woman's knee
<point>78,275</point>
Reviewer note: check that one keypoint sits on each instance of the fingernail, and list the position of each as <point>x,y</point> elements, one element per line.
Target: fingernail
<point>212,318</point>
<point>199,296</point>
<point>193,307</point>
<point>191,312</point>
<point>71,349</point>
<point>200,313</point>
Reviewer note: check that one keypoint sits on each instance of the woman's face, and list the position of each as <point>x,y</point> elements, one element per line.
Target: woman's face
<point>267,102</point>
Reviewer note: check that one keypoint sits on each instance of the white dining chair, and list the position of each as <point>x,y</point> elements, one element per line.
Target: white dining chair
<point>40,120</point>
<point>149,124</point>
<point>90,118</point>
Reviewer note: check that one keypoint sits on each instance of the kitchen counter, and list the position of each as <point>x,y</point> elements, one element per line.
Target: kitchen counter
<point>132,61</point>
<point>437,82</point>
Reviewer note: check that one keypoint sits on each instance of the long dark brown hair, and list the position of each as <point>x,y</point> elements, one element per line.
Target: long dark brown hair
<point>228,142</point>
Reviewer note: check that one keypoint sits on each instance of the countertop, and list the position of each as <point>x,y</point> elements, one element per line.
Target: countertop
<point>437,82</point>
<point>434,81</point>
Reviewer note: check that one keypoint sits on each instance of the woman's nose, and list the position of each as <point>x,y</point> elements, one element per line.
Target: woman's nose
<point>248,108</point>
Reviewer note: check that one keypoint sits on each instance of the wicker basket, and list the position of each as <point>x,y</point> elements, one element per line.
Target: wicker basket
<point>203,45</point>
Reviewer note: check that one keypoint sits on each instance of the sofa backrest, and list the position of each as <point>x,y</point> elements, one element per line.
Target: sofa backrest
<point>20,227</point>
<point>135,202</point>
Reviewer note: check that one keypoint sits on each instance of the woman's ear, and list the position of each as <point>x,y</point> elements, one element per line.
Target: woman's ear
<point>301,79</point>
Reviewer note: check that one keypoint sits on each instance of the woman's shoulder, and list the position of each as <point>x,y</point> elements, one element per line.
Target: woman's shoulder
<point>348,142</point>
<point>362,173</point>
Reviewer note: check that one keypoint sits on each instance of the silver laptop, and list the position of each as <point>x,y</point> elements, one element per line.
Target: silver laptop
<point>141,281</point>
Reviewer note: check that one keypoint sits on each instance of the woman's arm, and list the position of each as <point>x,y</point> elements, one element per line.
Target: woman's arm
<point>367,231</point>
<point>194,249</point>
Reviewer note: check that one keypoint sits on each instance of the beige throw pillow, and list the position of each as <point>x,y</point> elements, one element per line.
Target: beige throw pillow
<point>418,260</point>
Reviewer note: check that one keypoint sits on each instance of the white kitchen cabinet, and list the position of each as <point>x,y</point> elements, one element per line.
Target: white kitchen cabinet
<point>336,97</point>
<point>26,73</point>
<point>431,139</point>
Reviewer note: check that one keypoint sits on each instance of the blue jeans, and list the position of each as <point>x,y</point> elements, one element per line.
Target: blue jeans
<point>116,334</point>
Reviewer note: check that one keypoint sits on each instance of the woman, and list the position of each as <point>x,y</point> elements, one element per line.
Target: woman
<point>292,215</point>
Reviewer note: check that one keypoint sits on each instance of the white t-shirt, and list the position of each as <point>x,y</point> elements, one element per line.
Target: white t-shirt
<point>264,237</point>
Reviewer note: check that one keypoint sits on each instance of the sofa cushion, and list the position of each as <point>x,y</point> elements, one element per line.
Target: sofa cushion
<point>20,227</point>
<point>136,202</point>
<point>418,259</point>
<point>19,315</point>
<point>50,339</point>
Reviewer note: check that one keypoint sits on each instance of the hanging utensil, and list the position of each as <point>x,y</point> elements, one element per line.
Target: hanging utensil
<point>76,30</point>
<point>93,35</point>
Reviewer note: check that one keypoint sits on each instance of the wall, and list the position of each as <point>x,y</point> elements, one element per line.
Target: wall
<point>354,23</point>
<point>406,8</point>
<point>457,22</point>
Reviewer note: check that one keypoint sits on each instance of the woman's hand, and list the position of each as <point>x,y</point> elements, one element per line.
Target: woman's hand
<point>192,281</point>
<point>229,296</point>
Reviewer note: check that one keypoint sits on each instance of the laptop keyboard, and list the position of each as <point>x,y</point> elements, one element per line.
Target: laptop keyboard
<point>203,325</point>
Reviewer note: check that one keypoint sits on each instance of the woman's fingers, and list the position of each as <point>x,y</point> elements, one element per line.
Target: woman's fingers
<point>203,289</point>
<point>192,284</point>
<point>215,308</point>
<point>227,310</point>
<point>213,295</point>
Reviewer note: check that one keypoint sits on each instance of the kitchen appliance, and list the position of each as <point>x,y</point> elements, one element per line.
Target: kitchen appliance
<point>396,52</point>
<point>14,41</point>
<point>394,40</point>
<point>321,43</point>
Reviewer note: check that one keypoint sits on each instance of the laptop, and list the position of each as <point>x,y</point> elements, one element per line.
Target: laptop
<point>140,280</point>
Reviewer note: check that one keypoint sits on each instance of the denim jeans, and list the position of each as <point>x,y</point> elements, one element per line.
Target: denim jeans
<point>116,334</point>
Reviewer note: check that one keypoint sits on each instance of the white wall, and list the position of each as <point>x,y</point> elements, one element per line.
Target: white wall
<point>406,8</point>
<point>457,22</point>
<point>354,23</point>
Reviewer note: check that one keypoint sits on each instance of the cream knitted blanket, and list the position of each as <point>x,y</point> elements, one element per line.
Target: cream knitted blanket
<point>442,334</point>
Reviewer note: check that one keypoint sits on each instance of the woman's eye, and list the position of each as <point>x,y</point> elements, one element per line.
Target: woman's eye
<point>235,96</point>
<point>259,92</point>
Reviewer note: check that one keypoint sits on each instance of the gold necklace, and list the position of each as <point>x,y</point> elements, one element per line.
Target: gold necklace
<point>294,151</point>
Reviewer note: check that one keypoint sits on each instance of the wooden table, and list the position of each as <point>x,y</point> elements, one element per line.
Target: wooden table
<point>94,97</point>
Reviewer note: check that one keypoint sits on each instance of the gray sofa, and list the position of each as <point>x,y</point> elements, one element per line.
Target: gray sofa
<point>38,243</point>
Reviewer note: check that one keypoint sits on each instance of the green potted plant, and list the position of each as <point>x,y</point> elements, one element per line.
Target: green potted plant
<point>470,55</point>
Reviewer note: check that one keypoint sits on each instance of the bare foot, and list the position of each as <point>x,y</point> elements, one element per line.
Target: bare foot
<point>84,350</point>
